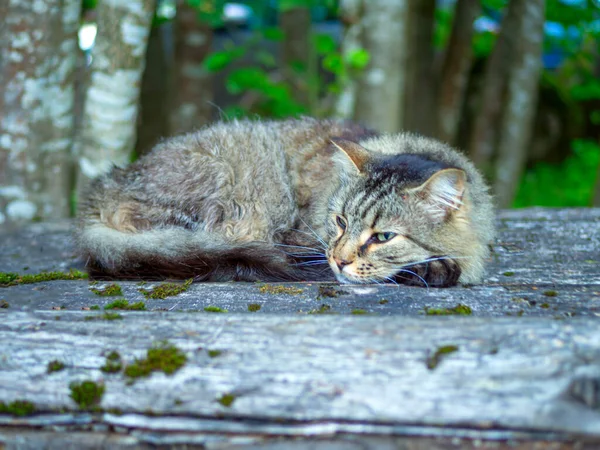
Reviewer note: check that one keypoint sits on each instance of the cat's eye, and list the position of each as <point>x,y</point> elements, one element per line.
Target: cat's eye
<point>382,237</point>
<point>341,222</point>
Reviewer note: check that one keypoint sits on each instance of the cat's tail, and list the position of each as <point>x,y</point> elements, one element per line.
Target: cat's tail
<point>178,253</point>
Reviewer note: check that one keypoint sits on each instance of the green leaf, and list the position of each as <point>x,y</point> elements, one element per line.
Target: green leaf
<point>219,60</point>
<point>246,78</point>
<point>358,59</point>
<point>286,5</point>
<point>587,91</point>
<point>333,63</point>
<point>324,44</point>
<point>273,34</point>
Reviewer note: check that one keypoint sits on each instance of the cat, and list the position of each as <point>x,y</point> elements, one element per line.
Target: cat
<point>297,199</point>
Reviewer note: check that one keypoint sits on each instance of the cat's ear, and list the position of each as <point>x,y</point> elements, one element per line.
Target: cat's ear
<point>443,192</point>
<point>353,154</point>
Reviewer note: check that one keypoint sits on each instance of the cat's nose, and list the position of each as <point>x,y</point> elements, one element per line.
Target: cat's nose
<point>341,263</point>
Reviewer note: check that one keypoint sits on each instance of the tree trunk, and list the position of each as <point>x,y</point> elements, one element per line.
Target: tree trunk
<point>350,11</point>
<point>521,101</point>
<point>455,71</point>
<point>381,86</point>
<point>297,56</point>
<point>153,117</point>
<point>484,134</point>
<point>192,84</point>
<point>111,104</point>
<point>420,79</point>
<point>38,52</point>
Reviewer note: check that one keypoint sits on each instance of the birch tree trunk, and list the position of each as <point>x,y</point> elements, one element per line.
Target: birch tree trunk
<point>420,90</point>
<point>111,104</point>
<point>192,84</point>
<point>484,133</point>
<point>381,86</point>
<point>455,71</point>
<point>38,53</point>
<point>521,101</point>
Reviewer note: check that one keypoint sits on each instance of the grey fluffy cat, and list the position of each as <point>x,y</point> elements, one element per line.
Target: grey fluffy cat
<point>297,199</point>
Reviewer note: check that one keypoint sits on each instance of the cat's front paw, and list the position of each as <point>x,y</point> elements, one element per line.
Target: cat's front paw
<point>438,271</point>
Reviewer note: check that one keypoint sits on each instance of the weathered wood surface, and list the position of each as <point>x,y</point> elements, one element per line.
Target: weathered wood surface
<point>321,381</point>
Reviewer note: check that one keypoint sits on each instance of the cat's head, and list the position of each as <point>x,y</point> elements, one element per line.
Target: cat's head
<point>391,212</point>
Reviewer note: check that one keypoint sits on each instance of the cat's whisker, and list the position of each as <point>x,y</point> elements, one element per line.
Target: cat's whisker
<point>434,259</point>
<point>311,263</point>
<point>390,279</point>
<point>313,232</point>
<point>418,276</point>
<point>294,246</point>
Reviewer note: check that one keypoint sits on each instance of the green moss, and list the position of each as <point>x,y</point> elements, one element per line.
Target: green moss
<point>165,290</point>
<point>323,309</point>
<point>226,400</point>
<point>253,307</point>
<point>545,305</point>
<point>383,301</point>
<point>508,274</point>
<point>460,310</point>
<point>12,279</point>
<point>18,408</point>
<point>113,363</point>
<point>332,291</point>
<point>214,353</point>
<point>280,289</point>
<point>55,366</point>
<point>163,357</point>
<point>86,394</point>
<point>4,304</point>
<point>433,360</point>
<point>94,307</point>
<point>359,312</point>
<point>550,293</point>
<point>124,305</point>
<point>112,290</point>
<point>105,316</point>
<point>215,309</point>
<point>6,278</point>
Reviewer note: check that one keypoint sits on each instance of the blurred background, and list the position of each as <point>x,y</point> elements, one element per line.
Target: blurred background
<point>515,84</point>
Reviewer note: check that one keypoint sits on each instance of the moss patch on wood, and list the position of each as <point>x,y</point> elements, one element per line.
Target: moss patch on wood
<point>165,290</point>
<point>433,360</point>
<point>550,293</point>
<point>105,316</point>
<point>112,290</point>
<point>459,310</point>
<point>214,309</point>
<point>214,353</point>
<point>113,363</point>
<point>226,400</point>
<point>163,357</point>
<point>253,307</point>
<point>323,309</point>
<point>358,312</point>
<point>87,394</point>
<point>12,279</point>
<point>4,304</point>
<point>279,289</point>
<point>55,366</point>
<point>330,291</point>
<point>508,274</point>
<point>125,305</point>
<point>18,408</point>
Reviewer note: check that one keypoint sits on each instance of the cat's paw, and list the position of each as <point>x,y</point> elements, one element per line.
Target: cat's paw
<point>439,271</point>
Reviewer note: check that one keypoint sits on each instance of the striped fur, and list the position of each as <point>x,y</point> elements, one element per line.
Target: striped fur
<point>259,201</point>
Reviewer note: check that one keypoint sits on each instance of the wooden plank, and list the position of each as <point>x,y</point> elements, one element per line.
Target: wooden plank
<point>530,375</point>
